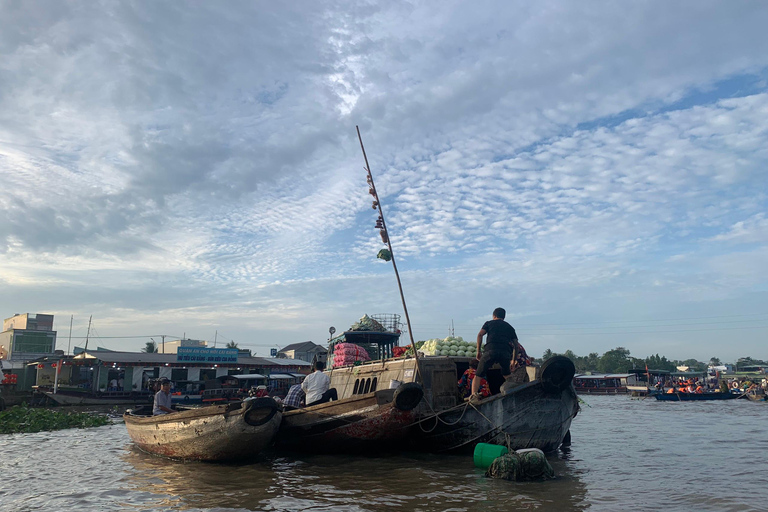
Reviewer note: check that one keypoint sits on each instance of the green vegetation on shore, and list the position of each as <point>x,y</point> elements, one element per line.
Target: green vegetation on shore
<point>25,419</point>
<point>618,360</point>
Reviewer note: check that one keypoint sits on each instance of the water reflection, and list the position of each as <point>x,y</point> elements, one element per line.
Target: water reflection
<point>622,454</point>
<point>403,482</point>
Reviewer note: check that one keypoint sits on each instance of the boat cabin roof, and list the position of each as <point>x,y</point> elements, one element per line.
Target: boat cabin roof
<point>652,372</point>
<point>604,376</point>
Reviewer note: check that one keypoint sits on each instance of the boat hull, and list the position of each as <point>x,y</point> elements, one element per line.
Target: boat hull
<point>528,416</point>
<point>88,399</point>
<point>368,422</point>
<point>695,397</point>
<point>214,433</point>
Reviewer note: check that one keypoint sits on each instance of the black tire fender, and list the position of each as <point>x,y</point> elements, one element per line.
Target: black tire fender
<point>407,396</point>
<point>557,373</point>
<point>259,411</point>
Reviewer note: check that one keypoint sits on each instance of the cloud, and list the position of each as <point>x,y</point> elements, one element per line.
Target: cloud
<point>166,161</point>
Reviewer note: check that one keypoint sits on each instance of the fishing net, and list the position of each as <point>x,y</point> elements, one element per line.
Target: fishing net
<point>521,465</point>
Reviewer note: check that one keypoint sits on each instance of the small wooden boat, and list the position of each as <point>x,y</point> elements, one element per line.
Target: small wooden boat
<point>233,431</point>
<point>695,397</point>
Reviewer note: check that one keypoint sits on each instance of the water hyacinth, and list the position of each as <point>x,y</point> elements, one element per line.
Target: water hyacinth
<point>23,419</point>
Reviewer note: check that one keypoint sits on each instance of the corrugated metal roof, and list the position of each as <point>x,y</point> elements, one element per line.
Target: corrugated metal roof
<point>285,362</point>
<point>151,359</point>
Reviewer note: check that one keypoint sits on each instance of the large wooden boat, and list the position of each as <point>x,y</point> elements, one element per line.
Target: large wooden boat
<point>695,397</point>
<point>536,414</point>
<point>233,431</point>
<point>427,413</point>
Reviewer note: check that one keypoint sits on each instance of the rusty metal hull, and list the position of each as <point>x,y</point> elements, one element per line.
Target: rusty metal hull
<point>526,417</point>
<point>214,433</point>
<point>367,422</point>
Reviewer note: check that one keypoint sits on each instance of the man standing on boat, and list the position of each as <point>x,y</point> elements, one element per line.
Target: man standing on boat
<point>499,346</point>
<point>163,399</point>
<point>316,386</point>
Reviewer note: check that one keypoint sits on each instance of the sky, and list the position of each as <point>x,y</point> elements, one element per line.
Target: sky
<point>599,169</point>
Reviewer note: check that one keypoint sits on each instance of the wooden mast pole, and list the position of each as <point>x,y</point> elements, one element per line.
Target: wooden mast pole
<point>386,239</point>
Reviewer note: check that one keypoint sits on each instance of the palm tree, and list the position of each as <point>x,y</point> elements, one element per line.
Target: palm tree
<point>232,344</point>
<point>150,347</point>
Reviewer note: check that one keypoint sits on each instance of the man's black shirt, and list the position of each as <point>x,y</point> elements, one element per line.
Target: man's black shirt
<point>499,335</point>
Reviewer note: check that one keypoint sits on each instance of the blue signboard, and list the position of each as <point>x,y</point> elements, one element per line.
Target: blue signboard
<point>206,355</point>
<point>273,352</point>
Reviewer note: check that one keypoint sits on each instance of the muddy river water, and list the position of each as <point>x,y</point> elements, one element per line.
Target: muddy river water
<point>627,454</point>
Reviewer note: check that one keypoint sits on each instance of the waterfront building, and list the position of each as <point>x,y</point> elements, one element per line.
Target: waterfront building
<point>305,351</point>
<point>26,337</point>
<point>98,371</point>
<point>172,346</point>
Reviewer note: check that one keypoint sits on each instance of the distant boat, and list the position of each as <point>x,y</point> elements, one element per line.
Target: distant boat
<point>228,432</point>
<point>693,397</point>
<point>86,397</point>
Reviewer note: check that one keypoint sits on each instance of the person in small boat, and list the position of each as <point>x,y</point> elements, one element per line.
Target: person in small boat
<point>465,383</point>
<point>317,386</point>
<point>163,403</point>
<point>671,390</point>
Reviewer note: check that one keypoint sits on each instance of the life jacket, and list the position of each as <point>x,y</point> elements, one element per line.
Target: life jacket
<point>670,391</point>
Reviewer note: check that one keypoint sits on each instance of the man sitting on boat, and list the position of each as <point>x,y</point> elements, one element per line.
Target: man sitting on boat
<point>162,403</point>
<point>465,383</point>
<point>316,386</point>
<point>295,398</point>
<point>498,348</point>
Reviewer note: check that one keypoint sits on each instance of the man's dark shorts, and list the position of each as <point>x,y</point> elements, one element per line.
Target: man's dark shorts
<point>491,357</point>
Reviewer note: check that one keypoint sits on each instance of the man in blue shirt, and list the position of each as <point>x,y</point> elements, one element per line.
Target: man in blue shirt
<point>163,403</point>
<point>294,397</point>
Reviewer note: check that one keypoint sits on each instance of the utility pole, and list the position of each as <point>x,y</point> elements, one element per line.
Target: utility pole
<point>87,334</point>
<point>69,343</point>
<point>163,336</point>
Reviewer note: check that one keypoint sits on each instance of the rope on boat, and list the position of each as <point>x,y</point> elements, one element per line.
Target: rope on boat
<point>499,429</point>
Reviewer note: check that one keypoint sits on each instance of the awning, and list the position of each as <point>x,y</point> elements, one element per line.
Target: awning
<point>299,375</point>
<point>249,376</point>
<point>281,376</point>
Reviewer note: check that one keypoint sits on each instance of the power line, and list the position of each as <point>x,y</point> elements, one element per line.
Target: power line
<point>641,332</point>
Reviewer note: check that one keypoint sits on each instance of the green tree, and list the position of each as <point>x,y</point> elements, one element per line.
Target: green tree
<point>547,354</point>
<point>615,361</point>
<point>657,362</point>
<point>715,361</point>
<point>232,344</point>
<point>150,347</point>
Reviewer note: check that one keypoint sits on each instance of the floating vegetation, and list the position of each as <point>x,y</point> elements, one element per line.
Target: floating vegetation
<point>25,419</point>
